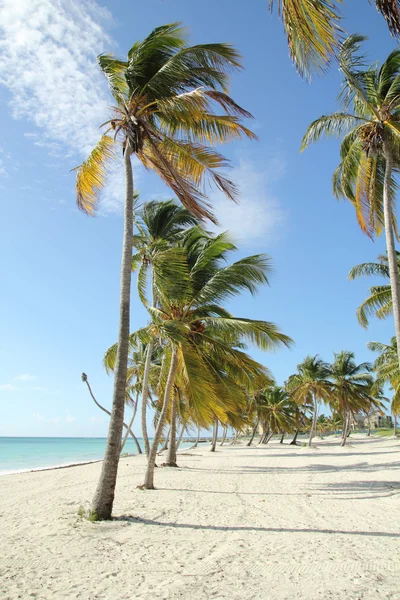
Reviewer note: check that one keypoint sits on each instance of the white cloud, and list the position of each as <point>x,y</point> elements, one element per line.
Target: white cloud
<point>69,418</point>
<point>8,387</point>
<point>42,419</point>
<point>25,377</point>
<point>96,420</point>
<point>38,417</point>
<point>48,54</point>
<point>259,216</point>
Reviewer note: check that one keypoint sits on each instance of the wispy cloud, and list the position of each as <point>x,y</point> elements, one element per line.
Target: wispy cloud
<point>48,54</point>
<point>8,387</point>
<point>25,377</point>
<point>259,216</point>
<point>96,420</point>
<point>42,419</point>
<point>69,418</point>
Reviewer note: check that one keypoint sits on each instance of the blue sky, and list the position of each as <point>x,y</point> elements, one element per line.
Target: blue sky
<point>60,269</point>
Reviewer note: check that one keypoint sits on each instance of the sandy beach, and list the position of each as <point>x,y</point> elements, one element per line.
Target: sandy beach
<point>244,523</point>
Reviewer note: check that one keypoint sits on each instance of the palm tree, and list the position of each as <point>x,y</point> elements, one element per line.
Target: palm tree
<point>309,386</point>
<point>202,341</point>
<point>379,302</point>
<point>351,387</point>
<point>277,410</point>
<point>166,96</point>
<point>159,225</point>
<point>370,150</point>
<point>313,31</point>
<point>387,371</point>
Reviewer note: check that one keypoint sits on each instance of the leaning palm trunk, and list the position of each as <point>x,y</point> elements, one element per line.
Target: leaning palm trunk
<point>178,443</point>
<point>104,496</point>
<point>294,440</point>
<point>151,461</point>
<point>198,438</point>
<point>215,436</point>
<point>171,456</point>
<point>314,423</point>
<point>282,438</point>
<point>224,436</point>
<point>346,427</point>
<point>254,432</point>
<point>127,427</point>
<point>166,441</point>
<point>269,437</point>
<point>390,245</point>
<point>264,436</point>
<point>145,396</point>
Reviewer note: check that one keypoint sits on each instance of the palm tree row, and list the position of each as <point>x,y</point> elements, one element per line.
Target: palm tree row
<point>205,376</point>
<point>346,387</point>
<point>170,108</point>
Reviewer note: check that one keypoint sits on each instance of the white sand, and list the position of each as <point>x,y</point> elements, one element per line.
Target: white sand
<point>269,523</point>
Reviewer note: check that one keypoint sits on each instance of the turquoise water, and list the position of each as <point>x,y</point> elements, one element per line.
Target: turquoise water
<point>19,454</point>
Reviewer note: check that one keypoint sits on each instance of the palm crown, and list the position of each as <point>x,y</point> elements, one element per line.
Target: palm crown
<point>313,29</point>
<point>379,302</point>
<point>370,123</point>
<point>167,97</point>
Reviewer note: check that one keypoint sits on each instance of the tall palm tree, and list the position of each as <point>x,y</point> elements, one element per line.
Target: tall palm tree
<point>167,96</point>
<point>159,225</point>
<point>387,370</point>
<point>313,31</point>
<point>379,301</point>
<point>370,150</point>
<point>310,386</point>
<point>202,340</point>
<point>352,385</point>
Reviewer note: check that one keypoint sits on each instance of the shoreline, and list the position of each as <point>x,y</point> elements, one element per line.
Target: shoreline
<point>296,522</point>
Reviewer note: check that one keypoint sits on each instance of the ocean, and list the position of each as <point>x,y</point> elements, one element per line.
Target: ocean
<point>19,454</point>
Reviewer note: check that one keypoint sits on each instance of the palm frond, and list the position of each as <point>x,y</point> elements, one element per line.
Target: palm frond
<point>91,175</point>
<point>313,32</point>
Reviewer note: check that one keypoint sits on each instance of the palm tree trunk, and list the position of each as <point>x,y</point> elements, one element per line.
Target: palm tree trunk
<point>390,244</point>
<point>235,437</point>
<point>269,437</point>
<point>254,432</point>
<point>166,441</point>
<point>104,495</point>
<point>394,424</point>
<point>224,436</point>
<point>145,396</point>
<point>294,440</point>
<point>346,428</point>
<point>85,379</point>
<point>265,436</point>
<point>171,456</point>
<point>129,430</point>
<point>198,438</point>
<point>283,435</point>
<point>178,443</point>
<point>151,461</point>
<point>215,436</point>
<point>314,423</point>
